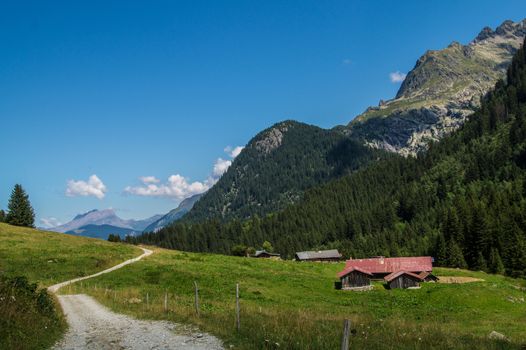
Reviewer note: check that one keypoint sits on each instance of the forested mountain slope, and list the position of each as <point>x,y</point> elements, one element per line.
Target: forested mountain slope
<point>283,161</point>
<point>463,201</point>
<point>276,167</point>
<point>175,214</point>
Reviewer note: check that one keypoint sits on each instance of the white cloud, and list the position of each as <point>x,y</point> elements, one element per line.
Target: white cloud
<point>221,166</point>
<point>177,186</point>
<point>149,179</point>
<point>50,222</point>
<point>233,152</point>
<point>397,77</point>
<point>93,187</point>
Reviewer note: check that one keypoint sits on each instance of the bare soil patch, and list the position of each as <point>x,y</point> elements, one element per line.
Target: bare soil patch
<point>458,279</point>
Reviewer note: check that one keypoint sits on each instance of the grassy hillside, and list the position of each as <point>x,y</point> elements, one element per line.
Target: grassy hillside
<point>31,260</point>
<point>50,257</point>
<point>296,306</point>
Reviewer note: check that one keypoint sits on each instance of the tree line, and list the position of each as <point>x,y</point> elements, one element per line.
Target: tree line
<point>463,201</point>
<point>19,209</point>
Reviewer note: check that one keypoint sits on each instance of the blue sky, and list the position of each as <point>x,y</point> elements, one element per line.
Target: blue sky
<point>127,89</point>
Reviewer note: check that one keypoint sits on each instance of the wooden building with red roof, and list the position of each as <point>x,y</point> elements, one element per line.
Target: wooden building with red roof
<point>400,272</point>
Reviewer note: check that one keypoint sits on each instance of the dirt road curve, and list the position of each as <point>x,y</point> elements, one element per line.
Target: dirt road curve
<point>93,326</point>
<point>57,286</point>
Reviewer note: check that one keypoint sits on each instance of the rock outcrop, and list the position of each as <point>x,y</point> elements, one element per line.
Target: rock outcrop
<point>443,88</point>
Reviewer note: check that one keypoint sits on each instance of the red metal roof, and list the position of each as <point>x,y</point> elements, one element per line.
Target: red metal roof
<point>389,265</point>
<point>396,274</point>
<point>348,271</point>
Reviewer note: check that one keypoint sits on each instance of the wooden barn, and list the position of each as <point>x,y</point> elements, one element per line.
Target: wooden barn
<point>381,267</point>
<point>332,255</point>
<point>403,279</point>
<point>263,254</point>
<point>355,279</point>
<point>405,272</point>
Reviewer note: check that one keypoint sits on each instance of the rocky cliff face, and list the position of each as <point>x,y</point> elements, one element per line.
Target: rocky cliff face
<point>443,88</point>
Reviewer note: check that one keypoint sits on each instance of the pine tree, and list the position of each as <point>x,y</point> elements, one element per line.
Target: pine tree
<point>495,262</point>
<point>2,216</point>
<point>441,251</point>
<point>480,263</point>
<point>114,238</point>
<point>456,258</point>
<point>20,211</point>
<point>451,227</point>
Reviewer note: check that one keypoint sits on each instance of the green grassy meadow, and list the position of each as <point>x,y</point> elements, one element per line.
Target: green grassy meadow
<point>49,257</point>
<point>29,318</point>
<point>291,305</point>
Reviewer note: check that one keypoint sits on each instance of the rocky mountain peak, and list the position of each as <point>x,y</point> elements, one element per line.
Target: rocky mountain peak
<point>508,29</point>
<point>442,89</point>
<point>484,34</point>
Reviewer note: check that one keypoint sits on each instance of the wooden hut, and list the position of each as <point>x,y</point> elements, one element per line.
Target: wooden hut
<point>266,255</point>
<point>403,279</point>
<point>332,255</point>
<point>355,279</point>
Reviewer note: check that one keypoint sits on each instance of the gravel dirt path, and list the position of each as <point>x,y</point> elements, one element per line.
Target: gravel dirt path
<point>93,326</point>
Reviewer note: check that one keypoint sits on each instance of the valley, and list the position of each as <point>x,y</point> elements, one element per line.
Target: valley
<point>403,228</point>
<point>296,306</point>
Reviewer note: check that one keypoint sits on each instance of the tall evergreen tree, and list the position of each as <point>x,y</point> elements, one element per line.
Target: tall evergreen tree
<point>2,216</point>
<point>20,211</point>
<point>456,258</point>
<point>441,251</point>
<point>480,263</point>
<point>495,262</point>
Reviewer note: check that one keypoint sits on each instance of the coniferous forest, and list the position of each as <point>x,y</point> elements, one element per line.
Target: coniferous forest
<point>463,201</point>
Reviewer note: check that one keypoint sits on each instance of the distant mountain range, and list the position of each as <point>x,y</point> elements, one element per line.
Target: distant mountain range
<point>102,231</point>
<point>95,222</point>
<point>101,223</point>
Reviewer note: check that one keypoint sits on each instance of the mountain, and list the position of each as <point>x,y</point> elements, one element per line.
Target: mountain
<point>463,201</point>
<point>105,217</point>
<point>276,166</point>
<point>174,215</point>
<point>443,88</point>
<point>436,97</point>
<point>102,231</point>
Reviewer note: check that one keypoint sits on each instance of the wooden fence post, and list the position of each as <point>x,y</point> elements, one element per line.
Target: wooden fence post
<point>196,298</point>
<point>165,301</point>
<point>238,322</point>
<point>346,334</point>
<point>147,301</point>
